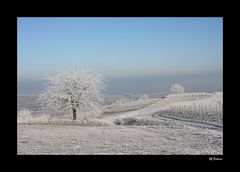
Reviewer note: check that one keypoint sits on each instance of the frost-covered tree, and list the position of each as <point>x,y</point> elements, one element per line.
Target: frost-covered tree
<point>176,89</point>
<point>73,90</point>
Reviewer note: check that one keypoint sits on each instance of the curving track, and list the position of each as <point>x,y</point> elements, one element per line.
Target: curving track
<point>183,121</point>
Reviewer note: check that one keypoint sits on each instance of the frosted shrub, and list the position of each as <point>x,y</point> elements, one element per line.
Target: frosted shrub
<point>176,89</point>
<point>24,115</point>
<point>133,121</point>
<point>118,122</point>
<point>130,121</point>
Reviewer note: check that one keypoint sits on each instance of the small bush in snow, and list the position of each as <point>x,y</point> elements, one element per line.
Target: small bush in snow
<point>25,117</point>
<point>118,122</point>
<point>25,113</point>
<point>130,121</point>
<point>133,121</point>
<point>176,89</point>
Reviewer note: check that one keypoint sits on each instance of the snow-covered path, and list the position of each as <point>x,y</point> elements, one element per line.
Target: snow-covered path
<point>181,121</point>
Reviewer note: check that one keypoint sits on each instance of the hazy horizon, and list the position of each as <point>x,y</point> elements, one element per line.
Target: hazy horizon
<point>141,85</point>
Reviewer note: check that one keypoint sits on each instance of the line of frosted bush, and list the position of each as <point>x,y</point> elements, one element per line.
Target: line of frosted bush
<point>189,95</point>
<point>25,117</point>
<point>208,109</point>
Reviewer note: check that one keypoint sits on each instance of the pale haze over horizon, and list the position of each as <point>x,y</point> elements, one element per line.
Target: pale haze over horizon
<point>136,55</point>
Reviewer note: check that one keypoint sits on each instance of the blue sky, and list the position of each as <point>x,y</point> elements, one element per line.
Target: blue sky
<point>120,47</point>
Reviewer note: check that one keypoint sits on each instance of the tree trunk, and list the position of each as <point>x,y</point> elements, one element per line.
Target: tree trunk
<point>74,114</point>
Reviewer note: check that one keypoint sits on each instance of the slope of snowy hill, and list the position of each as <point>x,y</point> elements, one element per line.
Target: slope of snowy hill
<point>148,129</point>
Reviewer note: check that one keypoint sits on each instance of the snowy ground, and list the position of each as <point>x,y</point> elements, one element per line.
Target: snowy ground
<point>170,135</point>
<point>165,139</point>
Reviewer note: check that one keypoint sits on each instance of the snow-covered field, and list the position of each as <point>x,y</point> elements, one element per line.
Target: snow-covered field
<point>147,130</point>
<point>164,139</point>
